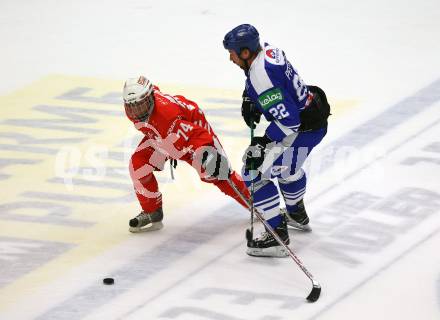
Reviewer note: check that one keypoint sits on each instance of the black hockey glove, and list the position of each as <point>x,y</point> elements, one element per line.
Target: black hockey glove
<point>215,164</point>
<point>250,112</point>
<point>254,155</point>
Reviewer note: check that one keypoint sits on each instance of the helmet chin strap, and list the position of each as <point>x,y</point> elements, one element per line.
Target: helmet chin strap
<point>151,98</point>
<point>246,65</point>
<point>246,61</point>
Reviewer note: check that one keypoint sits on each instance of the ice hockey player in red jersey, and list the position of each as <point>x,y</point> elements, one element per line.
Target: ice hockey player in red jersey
<point>174,128</point>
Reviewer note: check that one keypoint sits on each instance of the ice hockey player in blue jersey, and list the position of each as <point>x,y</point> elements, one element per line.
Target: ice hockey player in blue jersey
<point>297,116</point>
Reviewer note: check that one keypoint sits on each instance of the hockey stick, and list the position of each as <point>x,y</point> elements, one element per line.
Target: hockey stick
<point>250,233</point>
<point>316,290</point>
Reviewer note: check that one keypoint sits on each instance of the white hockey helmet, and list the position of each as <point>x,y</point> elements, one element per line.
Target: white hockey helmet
<point>138,98</point>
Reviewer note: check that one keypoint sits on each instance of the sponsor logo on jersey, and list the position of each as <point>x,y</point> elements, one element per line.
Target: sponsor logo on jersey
<point>271,97</point>
<point>274,55</point>
<point>270,53</point>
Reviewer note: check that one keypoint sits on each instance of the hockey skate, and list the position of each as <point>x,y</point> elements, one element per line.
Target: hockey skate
<point>298,219</point>
<point>267,246</point>
<point>145,222</point>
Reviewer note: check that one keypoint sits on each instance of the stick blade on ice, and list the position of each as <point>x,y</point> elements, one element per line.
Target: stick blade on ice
<point>314,294</point>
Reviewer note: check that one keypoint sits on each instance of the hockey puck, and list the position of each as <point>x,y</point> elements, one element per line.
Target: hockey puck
<point>108,281</point>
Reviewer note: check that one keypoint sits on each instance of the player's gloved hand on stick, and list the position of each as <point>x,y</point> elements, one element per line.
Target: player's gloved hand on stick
<point>250,112</point>
<point>215,164</point>
<point>254,155</point>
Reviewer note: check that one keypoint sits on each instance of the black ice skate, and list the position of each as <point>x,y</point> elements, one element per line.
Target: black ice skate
<point>147,221</point>
<point>267,246</point>
<point>298,219</point>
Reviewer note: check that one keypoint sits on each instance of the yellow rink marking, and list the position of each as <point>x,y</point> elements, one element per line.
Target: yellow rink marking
<point>105,223</point>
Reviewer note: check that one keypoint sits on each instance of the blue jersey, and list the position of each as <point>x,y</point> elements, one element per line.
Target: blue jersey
<point>278,91</point>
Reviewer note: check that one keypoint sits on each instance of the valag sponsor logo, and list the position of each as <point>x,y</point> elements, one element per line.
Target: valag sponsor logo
<point>270,98</point>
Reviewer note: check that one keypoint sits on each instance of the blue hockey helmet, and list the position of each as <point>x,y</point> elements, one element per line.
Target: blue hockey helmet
<point>243,36</point>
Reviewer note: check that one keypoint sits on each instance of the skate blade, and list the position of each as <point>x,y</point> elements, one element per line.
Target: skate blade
<point>298,226</point>
<point>273,252</point>
<point>149,227</point>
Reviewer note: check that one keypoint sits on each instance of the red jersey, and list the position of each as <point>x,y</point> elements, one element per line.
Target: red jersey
<point>176,127</point>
